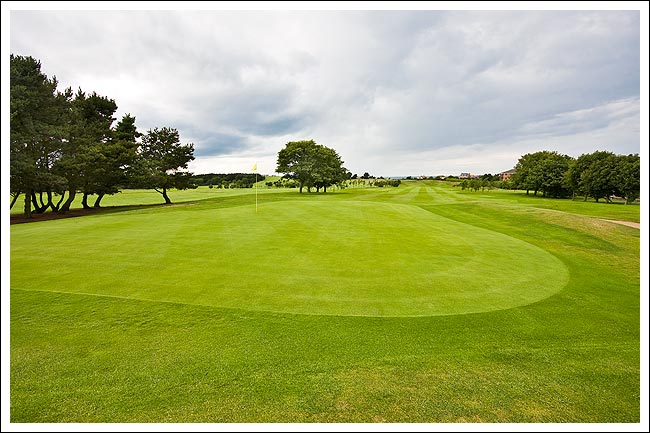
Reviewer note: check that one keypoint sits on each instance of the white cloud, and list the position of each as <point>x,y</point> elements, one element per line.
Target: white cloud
<point>394,92</point>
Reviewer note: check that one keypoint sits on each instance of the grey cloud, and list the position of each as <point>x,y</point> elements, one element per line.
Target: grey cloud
<point>590,119</point>
<point>397,83</point>
<point>215,143</point>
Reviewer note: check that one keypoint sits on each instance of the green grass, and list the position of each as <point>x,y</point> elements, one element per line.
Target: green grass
<point>303,312</point>
<point>148,197</point>
<point>354,258</point>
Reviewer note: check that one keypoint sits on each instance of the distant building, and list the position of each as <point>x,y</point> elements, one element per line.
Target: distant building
<point>507,174</point>
<point>465,176</point>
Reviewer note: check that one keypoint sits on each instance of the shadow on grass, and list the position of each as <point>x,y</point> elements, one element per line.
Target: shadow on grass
<point>74,213</point>
<point>217,202</point>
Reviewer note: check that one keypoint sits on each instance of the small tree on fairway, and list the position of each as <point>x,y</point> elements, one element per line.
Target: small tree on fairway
<point>298,161</point>
<point>311,164</point>
<point>162,161</point>
<point>329,168</point>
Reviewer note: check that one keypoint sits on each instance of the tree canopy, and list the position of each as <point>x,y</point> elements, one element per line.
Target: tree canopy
<point>542,172</point>
<point>229,180</point>
<point>66,142</point>
<point>599,175</point>
<point>163,161</point>
<point>311,165</point>
<point>36,129</point>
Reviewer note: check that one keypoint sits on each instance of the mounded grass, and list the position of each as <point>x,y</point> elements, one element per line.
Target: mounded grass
<point>352,258</point>
<point>118,352</point>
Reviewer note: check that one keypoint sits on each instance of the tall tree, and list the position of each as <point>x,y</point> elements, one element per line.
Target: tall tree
<point>585,175</point>
<point>116,158</point>
<point>543,171</point>
<point>628,177</point>
<point>572,178</point>
<point>36,121</point>
<point>86,157</point>
<point>527,175</point>
<point>552,172</point>
<point>162,161</point>
<point>598,179</point>
<point>311,164</point>
<point>329,168</point>
<point>297,160</point>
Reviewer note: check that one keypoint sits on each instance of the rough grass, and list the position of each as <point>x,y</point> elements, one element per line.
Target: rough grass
<point>569,357</point>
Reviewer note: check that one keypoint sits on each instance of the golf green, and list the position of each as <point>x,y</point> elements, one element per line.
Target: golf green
<point>352,258</point>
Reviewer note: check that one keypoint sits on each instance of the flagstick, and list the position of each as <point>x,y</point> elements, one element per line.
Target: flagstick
<point>256,188</point>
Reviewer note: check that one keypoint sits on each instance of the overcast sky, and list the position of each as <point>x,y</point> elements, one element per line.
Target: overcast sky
<point>394,92</point>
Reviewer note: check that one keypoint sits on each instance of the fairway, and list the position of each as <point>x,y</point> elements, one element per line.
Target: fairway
<point>421,303</point>
<point>351,258</point>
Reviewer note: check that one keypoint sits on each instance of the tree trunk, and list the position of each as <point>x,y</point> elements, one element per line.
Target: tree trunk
<point>164,194</point>
<point>50,203</point>
<point>44,206</point>
<point>13,200</point>
<point>324,188</point>
<point>28,203</point>
<point>301,185</point>
<point>34,202</point>
<point>84,201</point>
<point>71,194</point>
<point>59,202</point>
<point>37,208</point>
<point>99,198</point>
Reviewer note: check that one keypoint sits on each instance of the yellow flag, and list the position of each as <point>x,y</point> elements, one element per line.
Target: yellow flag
<point>254,167</point>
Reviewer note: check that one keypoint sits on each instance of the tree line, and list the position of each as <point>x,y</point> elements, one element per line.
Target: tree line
<point>230,180</point>
<point>482,182</point>
<point>599,175</point>
<point>65,143</point>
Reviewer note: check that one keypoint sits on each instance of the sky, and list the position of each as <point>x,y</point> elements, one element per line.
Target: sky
<point>396,93</point>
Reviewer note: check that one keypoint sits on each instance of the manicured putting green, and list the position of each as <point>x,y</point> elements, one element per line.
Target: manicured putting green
<point>305,257</point>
